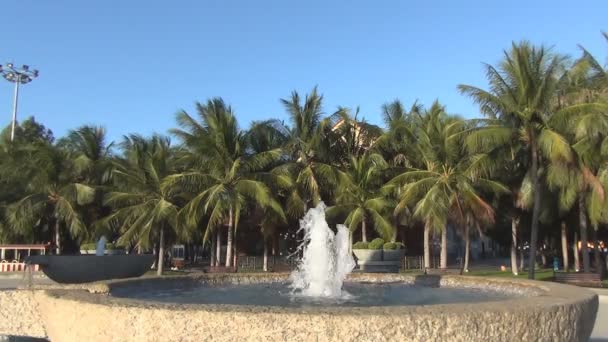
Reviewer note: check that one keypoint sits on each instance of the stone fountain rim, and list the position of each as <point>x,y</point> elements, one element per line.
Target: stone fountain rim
<point>535,295</point>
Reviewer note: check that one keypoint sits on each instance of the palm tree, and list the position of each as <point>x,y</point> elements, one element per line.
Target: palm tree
<point>220,178</point>
<point>91,155</point>
<point>52,198</point>
<point>266,136</point>
<point>359,197</point>
<point>580,182</point>
<point>311,155</point>
<point>519,105</point>
<point>445,189</point>
<point>144,210</point>
<point>397,143</point>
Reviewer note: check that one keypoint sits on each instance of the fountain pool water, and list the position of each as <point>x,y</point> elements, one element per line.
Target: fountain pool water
<point>358,294</point>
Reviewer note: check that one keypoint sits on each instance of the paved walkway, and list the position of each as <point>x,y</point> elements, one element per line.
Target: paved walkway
<point>8,282</point>
<point>600,330</point>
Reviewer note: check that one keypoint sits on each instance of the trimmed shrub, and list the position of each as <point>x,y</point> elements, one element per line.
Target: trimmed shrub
<point>376,243</point>
<point>392,245</point>
<point>361,245</point>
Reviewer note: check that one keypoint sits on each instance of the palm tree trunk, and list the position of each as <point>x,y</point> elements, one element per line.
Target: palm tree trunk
<point>599,268</point>
<point>535,209</point>
<point>467,247</point>
<point>395,228</point>
<point>444,248</point>
<point>583,229</point>
<point>577,263</point>
<point>57,237</point>
<point>514,224</point>
<point>521,260</point>
<point>363,231</point>
<point>427,252</point>
<point>229,239</point>
<point>543,253</point>
<point>212,262</point>
<point>235,256</point>
<point>218,247</point>
<point>565,246</point>
<point>265,265</point>
<point>161,252</point>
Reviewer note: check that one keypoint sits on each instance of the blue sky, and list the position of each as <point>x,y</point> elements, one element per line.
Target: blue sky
<point>131,65</point>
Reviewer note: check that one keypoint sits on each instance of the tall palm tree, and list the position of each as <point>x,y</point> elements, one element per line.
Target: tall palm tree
<point>144,210</point>
<point>447,187</point>
<point>519,104</point>
<point>580,182</point>
<point>266,136</point>
<point>359,197</point>
<point>91,156</point>
<point>220,177</point>
<point>311,158</point>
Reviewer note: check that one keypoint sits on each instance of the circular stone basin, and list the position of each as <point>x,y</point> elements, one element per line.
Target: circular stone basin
<point>258,307</point>
<point>355,294</point>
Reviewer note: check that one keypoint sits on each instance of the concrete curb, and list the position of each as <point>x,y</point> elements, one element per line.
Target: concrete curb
<point>21,275</point>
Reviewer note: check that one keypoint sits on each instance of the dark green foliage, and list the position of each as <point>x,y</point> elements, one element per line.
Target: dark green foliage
<point>376,243</point>
<point>392,245</point>
<point>361,245</point>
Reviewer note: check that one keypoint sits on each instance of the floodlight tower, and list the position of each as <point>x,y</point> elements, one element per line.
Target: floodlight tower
<point>17,75</point>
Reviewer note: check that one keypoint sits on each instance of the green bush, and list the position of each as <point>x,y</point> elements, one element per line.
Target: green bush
<point>393,245</point>
<point>361,245</point>
<point>376,243</point>
<point>93,246</point>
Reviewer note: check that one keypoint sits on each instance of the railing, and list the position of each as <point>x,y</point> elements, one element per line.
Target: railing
<point>416,262</point>
<point>253,263</point>
<point>15,266</point>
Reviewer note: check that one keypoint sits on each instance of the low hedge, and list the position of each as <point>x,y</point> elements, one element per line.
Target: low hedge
<point>392,245</point>
<point>361,245</point>
<point>376,243</point>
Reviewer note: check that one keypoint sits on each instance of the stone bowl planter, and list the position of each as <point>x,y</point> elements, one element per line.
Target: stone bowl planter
<point>365,255</point>
<point>393,254</point>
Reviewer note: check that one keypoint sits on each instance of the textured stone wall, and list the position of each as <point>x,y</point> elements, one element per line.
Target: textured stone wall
<point>19,314</point>
<point>543,312</point>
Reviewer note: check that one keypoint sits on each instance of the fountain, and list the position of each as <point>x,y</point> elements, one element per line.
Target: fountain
<point>319,300</point>
<point>326,260</point>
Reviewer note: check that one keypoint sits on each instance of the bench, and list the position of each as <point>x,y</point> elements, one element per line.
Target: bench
<point>578,278</point>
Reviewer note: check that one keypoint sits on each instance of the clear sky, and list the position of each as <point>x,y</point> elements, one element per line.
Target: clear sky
<point>131,65</point>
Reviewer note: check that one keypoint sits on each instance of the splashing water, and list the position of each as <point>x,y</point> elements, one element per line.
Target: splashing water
<point>326,260</point>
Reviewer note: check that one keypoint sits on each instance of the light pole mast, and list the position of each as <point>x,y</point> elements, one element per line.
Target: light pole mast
<point>18,76</point>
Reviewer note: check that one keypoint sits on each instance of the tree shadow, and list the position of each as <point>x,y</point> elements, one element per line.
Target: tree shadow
<point>13,338</point>
<point>427,280</point>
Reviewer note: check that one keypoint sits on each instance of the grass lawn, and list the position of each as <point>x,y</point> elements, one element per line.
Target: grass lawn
<point>540,274</point>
